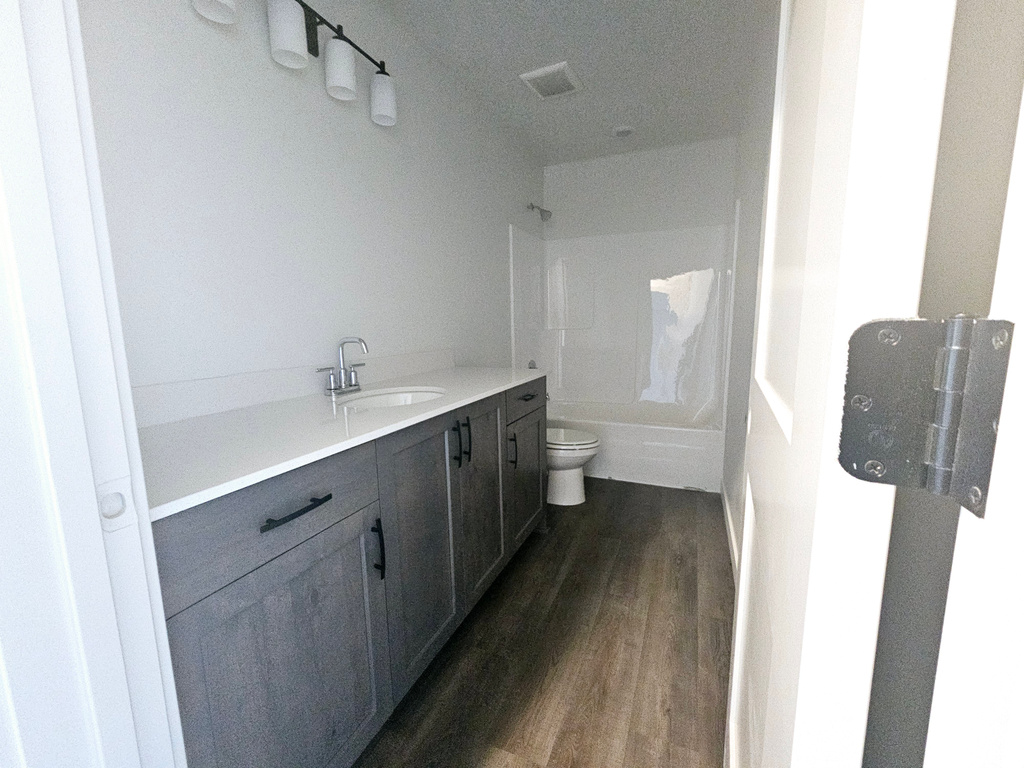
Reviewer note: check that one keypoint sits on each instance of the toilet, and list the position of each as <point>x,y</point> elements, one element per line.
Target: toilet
<point>568,450</point>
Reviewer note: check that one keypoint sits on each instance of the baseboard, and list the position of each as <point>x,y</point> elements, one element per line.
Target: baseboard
<point>734,544</point>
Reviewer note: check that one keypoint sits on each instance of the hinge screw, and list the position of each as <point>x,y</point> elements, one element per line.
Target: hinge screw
<point>974,497</point>
<point>1000,339</point>
<point>889,336</point>
<point>861,402</point>
<point>874,467</point>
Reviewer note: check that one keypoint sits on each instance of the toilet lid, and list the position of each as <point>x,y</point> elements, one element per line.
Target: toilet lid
<point>570,438</point>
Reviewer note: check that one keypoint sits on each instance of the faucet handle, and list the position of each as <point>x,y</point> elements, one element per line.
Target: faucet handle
<point>332,382</point>
<point>353,375</point>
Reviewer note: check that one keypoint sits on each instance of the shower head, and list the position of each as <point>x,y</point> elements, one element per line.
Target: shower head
<point>545,215</point>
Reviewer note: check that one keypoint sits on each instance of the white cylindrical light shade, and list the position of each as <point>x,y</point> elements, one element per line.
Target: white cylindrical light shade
<point>287,33</point>
<point>382,100</point>
<point>220,11</point>
<point>340,69</point>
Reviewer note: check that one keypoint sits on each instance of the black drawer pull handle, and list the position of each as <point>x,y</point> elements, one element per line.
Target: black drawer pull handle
<point>515,458</point>
<point>469,431</point>
<point>457,429</point>
<point>271,523</point>
<point>382,566</point>
<point>528,397</point>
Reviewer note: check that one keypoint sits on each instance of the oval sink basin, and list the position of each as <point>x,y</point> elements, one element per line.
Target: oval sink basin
<point>389,398</point>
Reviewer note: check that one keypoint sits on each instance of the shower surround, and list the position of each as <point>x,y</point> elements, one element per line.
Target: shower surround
<point>626,303</point>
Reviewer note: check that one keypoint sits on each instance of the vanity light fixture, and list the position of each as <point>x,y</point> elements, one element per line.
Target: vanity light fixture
<point>340,69</point>
<point>293,38</point>
<point>288,31</point>
<point>382,100</point>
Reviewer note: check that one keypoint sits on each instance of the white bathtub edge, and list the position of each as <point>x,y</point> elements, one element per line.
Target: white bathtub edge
<point>671,457</point>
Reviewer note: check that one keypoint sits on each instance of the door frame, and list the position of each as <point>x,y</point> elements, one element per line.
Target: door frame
<point>65,661</point>
<point>862,158</point>
<point>109,559</point>
<point>973,171</point>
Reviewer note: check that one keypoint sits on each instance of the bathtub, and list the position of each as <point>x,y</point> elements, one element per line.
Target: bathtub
<point>641,445</point>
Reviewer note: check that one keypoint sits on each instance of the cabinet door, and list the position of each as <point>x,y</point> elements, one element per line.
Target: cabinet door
<point>287,667</point>
<point>480,495</point>
<point>424,594</point>
<point>527,458</point>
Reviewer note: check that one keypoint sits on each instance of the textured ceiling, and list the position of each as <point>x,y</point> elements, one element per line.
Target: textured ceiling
<point>675,70</point>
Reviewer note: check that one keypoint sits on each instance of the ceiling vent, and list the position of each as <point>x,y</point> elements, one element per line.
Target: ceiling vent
<point>555,80</point>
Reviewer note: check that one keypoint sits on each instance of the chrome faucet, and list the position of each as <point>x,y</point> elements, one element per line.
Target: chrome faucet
<point>349,379</point>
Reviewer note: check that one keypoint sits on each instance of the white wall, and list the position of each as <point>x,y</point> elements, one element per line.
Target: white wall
<point>753,147</point>
<point>254,220</point>
<point>680,187</point>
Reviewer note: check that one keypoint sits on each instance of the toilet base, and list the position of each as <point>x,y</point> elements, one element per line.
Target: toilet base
<point>565,487</point>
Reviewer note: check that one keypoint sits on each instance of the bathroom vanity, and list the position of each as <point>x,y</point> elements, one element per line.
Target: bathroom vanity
<point>306,595</point>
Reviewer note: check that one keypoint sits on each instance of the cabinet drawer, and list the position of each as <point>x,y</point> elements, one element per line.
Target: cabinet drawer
<point>207,547</point>
<point>524,399</point>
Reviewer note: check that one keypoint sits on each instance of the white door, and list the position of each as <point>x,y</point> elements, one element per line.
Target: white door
<point>858,109</point>
<point>64,694</point>
<point>978,707</point>
<point>104,531</point>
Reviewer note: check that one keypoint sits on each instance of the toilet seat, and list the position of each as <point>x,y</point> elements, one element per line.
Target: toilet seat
<point>570,439</point>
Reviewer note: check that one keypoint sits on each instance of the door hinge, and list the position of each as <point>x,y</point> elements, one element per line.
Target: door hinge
<point>922,404</point>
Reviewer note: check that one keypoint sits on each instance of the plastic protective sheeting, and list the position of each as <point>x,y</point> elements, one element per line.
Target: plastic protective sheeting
<point>686,345</point>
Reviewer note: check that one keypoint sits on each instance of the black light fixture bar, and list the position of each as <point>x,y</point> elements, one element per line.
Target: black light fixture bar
<point>314,20</point>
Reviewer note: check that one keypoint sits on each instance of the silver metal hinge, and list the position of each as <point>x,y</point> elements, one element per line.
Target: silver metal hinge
<point>922,404</point>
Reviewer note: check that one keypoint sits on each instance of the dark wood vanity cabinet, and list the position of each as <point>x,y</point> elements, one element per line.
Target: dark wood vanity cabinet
<point>526,463</point>
<point>477,494</point>
<point>288,665</point>
<point>441,502</point>
<point>301,609</point>
<point>424,591</point>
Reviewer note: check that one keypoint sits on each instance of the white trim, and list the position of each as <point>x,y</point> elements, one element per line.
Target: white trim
<point>729,316</point>
<point>161,701</point>
<point>871,199</point>
<point>780,409</point>
<point>777,405</point>
<point>99,372</point>
<point>64,679</point>
<point>976,708</point>
<point>734,544</point>
<point>741,613</point>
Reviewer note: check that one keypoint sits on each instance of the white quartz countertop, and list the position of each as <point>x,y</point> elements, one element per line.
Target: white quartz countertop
<point>193,461</point>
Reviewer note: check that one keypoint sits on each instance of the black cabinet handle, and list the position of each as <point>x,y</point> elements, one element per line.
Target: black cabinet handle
<point>271,523</point>
<point>469,431</point>
<point>515,458</point>
<point>528,397</point>
<point>457,429</point>
<point>382,566</point>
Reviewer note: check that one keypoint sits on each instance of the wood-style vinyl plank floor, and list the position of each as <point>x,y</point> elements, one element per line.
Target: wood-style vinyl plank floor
<point>604,644</point>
